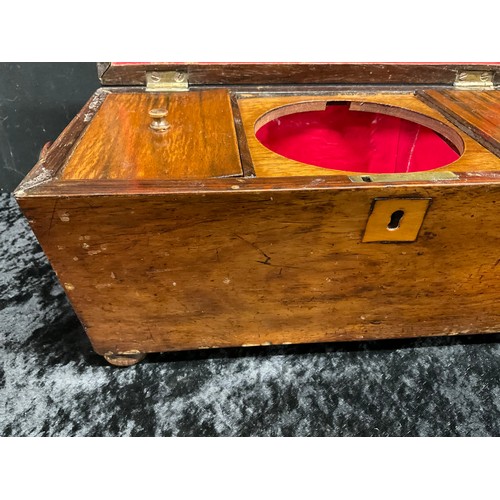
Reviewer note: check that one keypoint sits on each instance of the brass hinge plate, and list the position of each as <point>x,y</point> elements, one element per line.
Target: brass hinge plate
<point>440,175</point>
<point>166,81</point>
<point>472,80</point>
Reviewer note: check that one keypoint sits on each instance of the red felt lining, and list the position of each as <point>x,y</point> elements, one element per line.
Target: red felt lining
<point>342,139</point>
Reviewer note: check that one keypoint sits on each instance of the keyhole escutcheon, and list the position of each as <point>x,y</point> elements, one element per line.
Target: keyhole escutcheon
<point>395,220</point>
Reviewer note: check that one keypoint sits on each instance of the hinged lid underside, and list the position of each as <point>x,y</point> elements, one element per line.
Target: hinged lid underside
<point>133,74</point>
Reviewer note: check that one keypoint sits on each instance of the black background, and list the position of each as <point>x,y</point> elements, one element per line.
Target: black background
<point>37,100</point>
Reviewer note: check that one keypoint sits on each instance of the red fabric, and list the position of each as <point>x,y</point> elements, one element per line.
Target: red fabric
<point>356,141</point>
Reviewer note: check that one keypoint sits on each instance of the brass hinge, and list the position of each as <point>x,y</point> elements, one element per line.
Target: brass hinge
<point>440,175</point>
<point>470,80</point>
<point>166,81</point>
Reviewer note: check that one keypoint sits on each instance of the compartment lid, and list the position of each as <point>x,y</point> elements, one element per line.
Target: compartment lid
<point>139,136</point>
<point>477,113</point>
<point>199,73</point>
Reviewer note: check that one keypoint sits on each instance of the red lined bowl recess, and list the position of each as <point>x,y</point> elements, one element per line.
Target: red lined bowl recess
<point>357,141</point>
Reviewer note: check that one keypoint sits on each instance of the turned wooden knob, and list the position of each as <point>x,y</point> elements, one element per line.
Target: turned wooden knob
<point>159,123</point>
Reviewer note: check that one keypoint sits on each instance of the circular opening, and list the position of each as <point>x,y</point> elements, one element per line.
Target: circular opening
<point>341,136</point>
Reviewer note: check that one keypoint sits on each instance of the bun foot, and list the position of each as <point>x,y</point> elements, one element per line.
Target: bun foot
<point>128,358</point>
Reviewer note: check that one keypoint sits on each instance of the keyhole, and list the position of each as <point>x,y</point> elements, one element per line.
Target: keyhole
<point>395,220</point>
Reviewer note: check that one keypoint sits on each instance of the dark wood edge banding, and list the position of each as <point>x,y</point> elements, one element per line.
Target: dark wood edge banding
<point>240,184</point>
<point>102,67</point>
<point>245,157</point>
<point>294,73</point>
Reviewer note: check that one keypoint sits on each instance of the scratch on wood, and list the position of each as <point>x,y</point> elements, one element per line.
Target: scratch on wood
<point>100,286</point>
<point>52,216</point>
<point>253,245</point>
<point>156,271</point>
<point>150,333</point>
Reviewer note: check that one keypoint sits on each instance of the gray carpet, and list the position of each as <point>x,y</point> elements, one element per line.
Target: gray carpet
<point>52,384</point>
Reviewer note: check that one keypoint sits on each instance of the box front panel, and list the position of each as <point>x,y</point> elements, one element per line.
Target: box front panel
<point>168,272</point>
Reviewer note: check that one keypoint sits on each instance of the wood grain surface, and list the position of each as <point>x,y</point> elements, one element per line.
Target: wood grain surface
<point>119,143</point>
<point>256,111</point>
<point>476,112</point>
<point>168,272</point>
<point>154,259</point>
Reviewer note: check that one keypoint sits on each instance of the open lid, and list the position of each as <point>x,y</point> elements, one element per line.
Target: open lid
<point>195,74</point>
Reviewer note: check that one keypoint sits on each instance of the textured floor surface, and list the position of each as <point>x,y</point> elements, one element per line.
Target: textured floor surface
<point>52,384</point>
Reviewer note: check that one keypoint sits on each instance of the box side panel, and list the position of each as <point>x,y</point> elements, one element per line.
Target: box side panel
<point>176,272</point>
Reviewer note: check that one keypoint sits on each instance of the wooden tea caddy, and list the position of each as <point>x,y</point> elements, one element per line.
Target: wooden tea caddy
<point>184,231</point>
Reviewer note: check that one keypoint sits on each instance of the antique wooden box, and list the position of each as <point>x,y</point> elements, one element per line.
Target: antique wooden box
<point>192,206</point>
